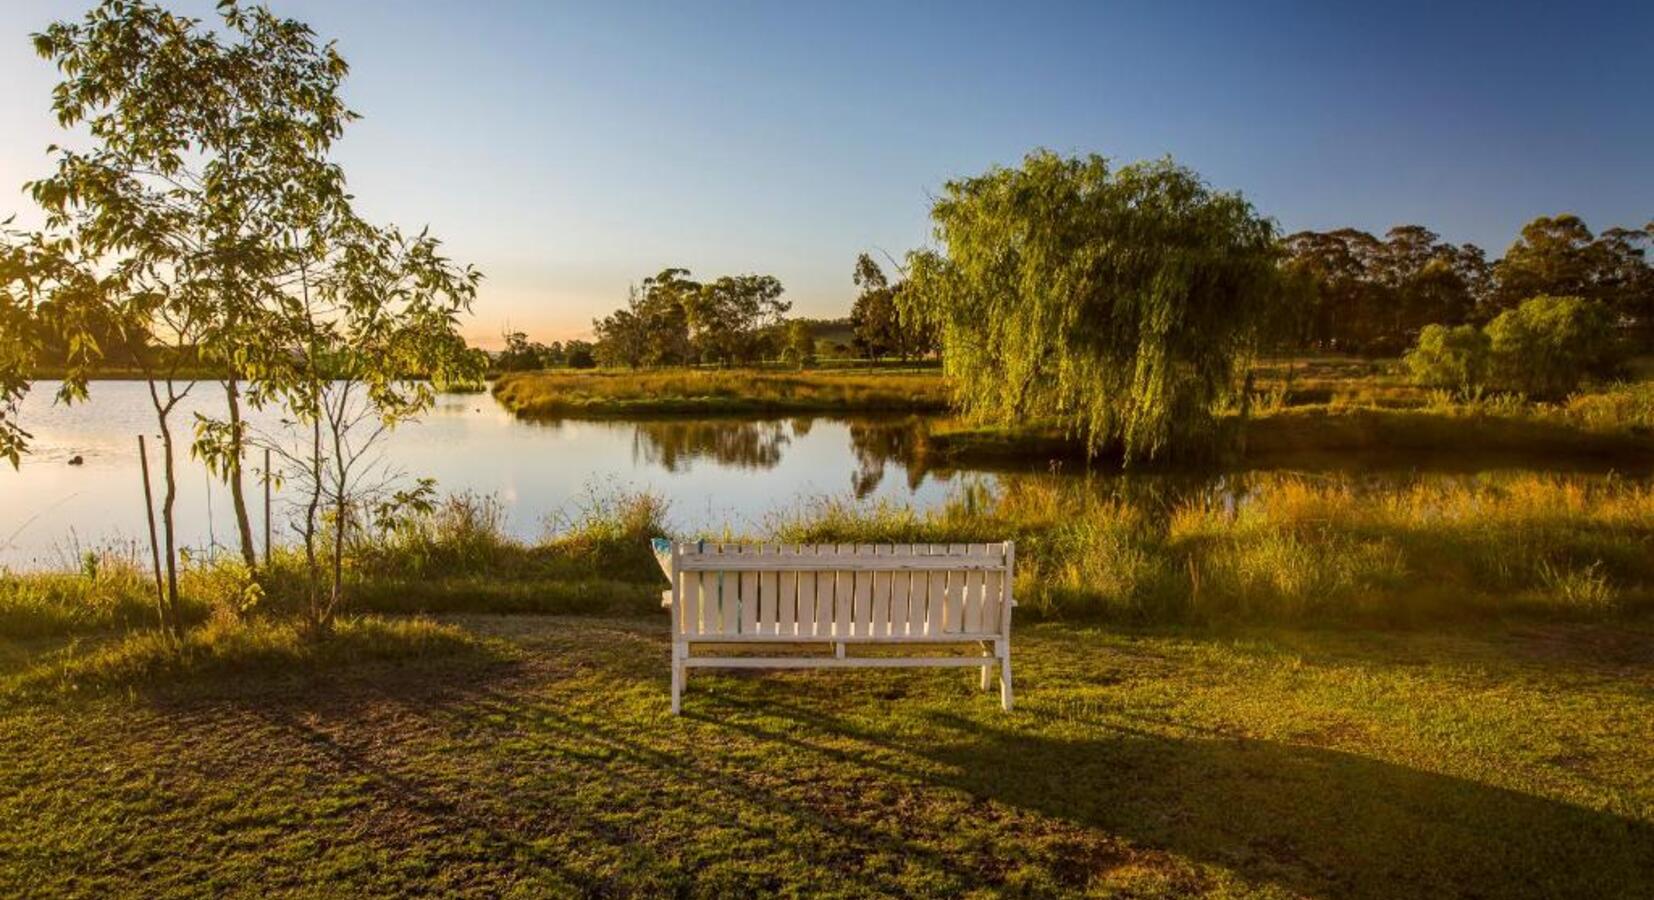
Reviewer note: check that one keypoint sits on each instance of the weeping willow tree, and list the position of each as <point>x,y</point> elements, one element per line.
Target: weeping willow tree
<point>1120,303</point>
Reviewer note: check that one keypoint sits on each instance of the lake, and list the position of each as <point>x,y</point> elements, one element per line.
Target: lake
<point>716,473</point>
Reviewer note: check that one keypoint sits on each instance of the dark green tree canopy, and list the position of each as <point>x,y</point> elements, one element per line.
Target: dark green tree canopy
<point>1118,302</point>
<point>1559,256</point>
<point>878,324</point>
<point>1356,292</point>
<point>673,320</point>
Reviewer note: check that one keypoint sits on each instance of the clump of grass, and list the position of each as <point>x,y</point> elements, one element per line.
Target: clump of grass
<point>225,646</point>
<point>609,529</point>
<point>459,558</point>
<point>463,532</point>
<point>611,393</point>
<point>1628,406</point>
<point>109,591</point>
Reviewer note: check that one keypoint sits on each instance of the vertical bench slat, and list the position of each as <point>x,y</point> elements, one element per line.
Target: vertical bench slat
<point>844,595</point>
<point>992,588</point>
<point>712,600</point>
<point>767,591</point>
<point>936,604</point>
<point>749,602</point>
<point>953,616</point>
<point>862,614</point>
<point>824,593</point>
<point>881,598</point>
<point>901,585</point>
<point>730,587</point>
<point>712,609</point>
<point>690,587</point>
<point>786,602</point>
<point>806,600</point>
<point>686,596</point>
<point>697,589</point>
<point>972,622</point>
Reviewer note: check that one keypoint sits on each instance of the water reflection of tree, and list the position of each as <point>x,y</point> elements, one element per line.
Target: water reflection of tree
<point>876,443</point>
<point>673,444</point>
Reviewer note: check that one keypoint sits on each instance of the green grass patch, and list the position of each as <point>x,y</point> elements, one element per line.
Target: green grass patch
<point>227,648</point>
<point>1504,761</point>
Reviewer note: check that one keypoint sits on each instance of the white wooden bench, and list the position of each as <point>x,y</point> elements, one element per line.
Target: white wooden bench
<point>840,596</point>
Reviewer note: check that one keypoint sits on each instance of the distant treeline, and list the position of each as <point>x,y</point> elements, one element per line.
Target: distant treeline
<point>1347,290</point>
<point>1351,291</point>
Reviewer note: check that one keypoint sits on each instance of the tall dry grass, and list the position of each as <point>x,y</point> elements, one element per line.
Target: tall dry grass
<point>1293,548</point>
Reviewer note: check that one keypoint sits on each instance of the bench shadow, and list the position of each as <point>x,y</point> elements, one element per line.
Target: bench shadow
<point>1309,819</point>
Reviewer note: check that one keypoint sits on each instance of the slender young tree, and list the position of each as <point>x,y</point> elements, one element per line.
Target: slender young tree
<point>365,341</point>
<point>209,152</point>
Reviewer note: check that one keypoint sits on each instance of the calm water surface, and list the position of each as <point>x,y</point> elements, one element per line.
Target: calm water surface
<point>715,473</point>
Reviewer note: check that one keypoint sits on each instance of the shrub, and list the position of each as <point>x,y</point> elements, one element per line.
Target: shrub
<point>1455,358</point>
<point>1548,345</point>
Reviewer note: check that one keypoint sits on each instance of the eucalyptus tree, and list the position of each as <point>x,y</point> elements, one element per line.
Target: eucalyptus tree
<point>362,344</point>
<point>1119,303</point>
<point>1559,256</point>
<point>1361,293</point>
<point>209,154</point>
<point>729,316</point>
<point>879,325</point>
<point>873,316</point>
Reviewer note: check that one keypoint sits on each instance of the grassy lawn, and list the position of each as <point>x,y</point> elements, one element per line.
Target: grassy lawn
<point>539,758</point>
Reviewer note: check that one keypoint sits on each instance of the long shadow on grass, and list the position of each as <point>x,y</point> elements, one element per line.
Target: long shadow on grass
<point>1309,819</point>
<point>360,724</point>
<point>685,773</point>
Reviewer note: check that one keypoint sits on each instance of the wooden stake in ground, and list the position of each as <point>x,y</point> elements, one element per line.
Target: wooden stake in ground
<point>267,547</point>
<point>154,547</point>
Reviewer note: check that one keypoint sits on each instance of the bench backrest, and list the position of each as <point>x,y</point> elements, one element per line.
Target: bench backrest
<point>858,591</point>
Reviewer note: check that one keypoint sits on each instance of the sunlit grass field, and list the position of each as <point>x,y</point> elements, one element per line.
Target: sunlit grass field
<point>527,756</point>
<point>1279,685</point>
<point>1301,688</point>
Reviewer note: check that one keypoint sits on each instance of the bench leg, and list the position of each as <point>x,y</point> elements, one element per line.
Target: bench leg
<point>679,670</point>
<point>1005,675</point>
<point>987,670</point>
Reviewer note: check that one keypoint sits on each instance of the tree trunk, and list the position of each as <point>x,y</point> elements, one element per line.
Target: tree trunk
<point>169,498</point>
<point>337,595</point>
<point>312,564</point>
<point>232,474</point>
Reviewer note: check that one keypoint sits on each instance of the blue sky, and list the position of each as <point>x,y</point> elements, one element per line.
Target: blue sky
<point>569,150</point>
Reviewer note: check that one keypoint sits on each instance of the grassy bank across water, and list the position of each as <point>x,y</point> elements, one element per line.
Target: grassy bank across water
<point>1613,428</point>
<point>619,394</point>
